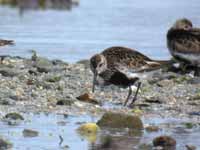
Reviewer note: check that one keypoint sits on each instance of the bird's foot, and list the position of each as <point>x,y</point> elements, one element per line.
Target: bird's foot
<point>197,72</point>
<point>131,105</point>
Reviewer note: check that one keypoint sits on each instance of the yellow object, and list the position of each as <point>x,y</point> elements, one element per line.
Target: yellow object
<point>89,128</point>
<point>137,111</point>
<point>89,131</point>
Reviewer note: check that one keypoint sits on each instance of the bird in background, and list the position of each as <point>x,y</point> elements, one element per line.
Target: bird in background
<point>183,41</point>
<point>4,43</point>
<point>122,67</point>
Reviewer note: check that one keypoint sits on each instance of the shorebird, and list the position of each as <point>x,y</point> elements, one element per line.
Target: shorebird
<point>183,41</point>
<point>3,43</point>
<point>122,67</point>
<point>6,42</point>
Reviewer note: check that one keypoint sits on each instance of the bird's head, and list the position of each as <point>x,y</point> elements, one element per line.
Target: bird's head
<point>98,64</point>
<point>184,24</point>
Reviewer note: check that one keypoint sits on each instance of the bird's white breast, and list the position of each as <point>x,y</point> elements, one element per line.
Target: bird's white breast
<point>193,58</point>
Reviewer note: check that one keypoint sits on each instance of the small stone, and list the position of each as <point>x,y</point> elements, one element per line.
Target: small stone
<point>65,147</point>
<point>195,97</point>
<point>5,144</point>
<point>182,79</point>
<point>194,113</point>
<point>64,102</point>
<point>32,72</point>
<point>152,129</point>
<point>195,80</point>
<point>61,123</point>
<point>53,79</point>
<point>153,100</point>
<point>14,116</point>
<point>142,105</point>
<point>119,120</point>
<point>189,125</point>
<point>145,146</point>
<point>87,98</point>
<point>30,82</point>
<point>164,141</point>
<point>79,123</point>
<point>191,147</point>
<point>7,101</point>
<point>7,72</point>
<point>30,133</point>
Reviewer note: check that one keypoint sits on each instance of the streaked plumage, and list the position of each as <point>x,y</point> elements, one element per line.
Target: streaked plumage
<point>123,67</point>
<point>183,42</point>
<point>3,43</point>
<point>6,42</point>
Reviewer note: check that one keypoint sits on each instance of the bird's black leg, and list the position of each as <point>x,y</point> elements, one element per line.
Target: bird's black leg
<point>129,94</point>
<point>2,59</point>
<point>94,81</point>
<point>197,72</point>
<point>135,97</point>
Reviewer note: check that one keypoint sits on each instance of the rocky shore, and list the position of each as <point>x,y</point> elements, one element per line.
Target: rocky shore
<point>41,85</point>
<point>38,85</point>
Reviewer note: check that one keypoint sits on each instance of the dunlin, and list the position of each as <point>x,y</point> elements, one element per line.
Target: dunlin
<point>183,41</point>
<point>122,67</point>
<point>3,43</point>
<point>6,42</point>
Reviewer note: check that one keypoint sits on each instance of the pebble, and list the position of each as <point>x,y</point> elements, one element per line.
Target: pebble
<point>164,141</point>
<point>30,133</point>
<point>5,144</point>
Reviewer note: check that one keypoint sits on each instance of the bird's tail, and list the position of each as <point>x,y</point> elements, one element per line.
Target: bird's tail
<point>164,62</point>
<point>6,42</point>
<point>158,64</point>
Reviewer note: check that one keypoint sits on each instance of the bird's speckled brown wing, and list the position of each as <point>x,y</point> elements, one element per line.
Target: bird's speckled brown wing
<point>6,42</point>
<point>182,41</point>
<point>125,56</point>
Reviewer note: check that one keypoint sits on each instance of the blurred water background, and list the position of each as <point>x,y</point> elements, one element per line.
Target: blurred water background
<point>72,30</point>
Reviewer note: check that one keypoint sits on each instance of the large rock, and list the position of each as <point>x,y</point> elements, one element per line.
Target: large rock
<point>118,120</point>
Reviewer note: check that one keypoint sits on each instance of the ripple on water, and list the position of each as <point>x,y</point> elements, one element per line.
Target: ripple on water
<point>51,126</point>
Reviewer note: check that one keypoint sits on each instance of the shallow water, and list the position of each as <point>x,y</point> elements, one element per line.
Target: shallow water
<point>51,126</point>
<point>49,130</point>
<point>78,33</point>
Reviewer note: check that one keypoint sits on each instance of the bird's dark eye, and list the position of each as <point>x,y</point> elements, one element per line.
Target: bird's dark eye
<point>187,27</point>
<point>100,65</point>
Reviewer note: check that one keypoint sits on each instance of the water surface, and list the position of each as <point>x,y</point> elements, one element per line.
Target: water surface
<point>51,126</point>
<point>94,25</point>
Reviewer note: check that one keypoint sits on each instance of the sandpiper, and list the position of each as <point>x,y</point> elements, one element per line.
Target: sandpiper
<point>183,41</point>
<point>3,43</point>
<point>123,67</point>
<point>6,42</point>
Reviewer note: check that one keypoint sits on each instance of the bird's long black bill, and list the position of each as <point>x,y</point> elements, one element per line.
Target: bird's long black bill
<point>94,81</point>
